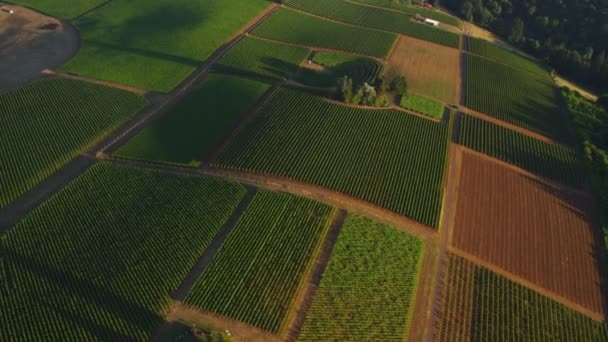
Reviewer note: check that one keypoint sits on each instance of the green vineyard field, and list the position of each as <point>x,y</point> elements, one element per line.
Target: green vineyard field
<point>514,96</point>
<point>499,54</point>
<point>392,160</point>
<point>155,45</point>
<point>66,9</point>
<point>547,160</point>
<point>259,268</point>
<point>293,27</point>
<point>197,124</point>
<point>262,58</point>
<point>376,18</point>
<point>480,305</point>
<point>336,66</point>
<point>433,14</point>
<point>423,105</point>
<point>369,285</point>
<point>99,260</point>
<point>49,122</point>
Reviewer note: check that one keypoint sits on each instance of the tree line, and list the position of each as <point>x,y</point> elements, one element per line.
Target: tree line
<point>569,35</point>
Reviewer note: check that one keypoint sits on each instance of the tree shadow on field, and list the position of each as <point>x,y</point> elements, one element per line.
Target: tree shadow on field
<point>96,298</point>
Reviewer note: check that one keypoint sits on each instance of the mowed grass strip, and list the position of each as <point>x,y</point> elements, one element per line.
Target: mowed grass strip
<point>368,287</point>
<point>551,161</point>
<point>99,260</point>
<point>156,45</point>
<point>376,18</point>
<point>198,123</point>
<point>66,9</point>
<point>499,54</point>
<point>293,27</point>
<point>480,305</point>
<point>514,96</point>
<point>258,270</point>
<point>423,105</point>
<point>49,122</point>
<point>263,58</point>
<point>335,65</point>
<point>392,160</point>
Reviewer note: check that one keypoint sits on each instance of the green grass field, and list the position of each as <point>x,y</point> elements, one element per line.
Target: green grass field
<point>49,122</point>
<point>156,45</point>
<point>499,54</point>
<point>376,18</point>
<point>66,9</point>
<point>552,161</point>
<point>423,105</point>
<point>514,96</point>
<point>293,27</point>
<point>336,66</point>
<point>198,123</point>
<point>258,269</point>
<point>392,160</point>
<point>433,14</point>
<point>99,260</point>
<point>262,58</point>
<point>480,305</point>
<point>369,285</point>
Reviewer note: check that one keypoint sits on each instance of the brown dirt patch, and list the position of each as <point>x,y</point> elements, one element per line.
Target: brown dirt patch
<point>31,42</point>
<point>430,69</point>
<point>531,229</point>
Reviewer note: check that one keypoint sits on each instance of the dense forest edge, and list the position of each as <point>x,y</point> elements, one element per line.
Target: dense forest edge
<point>568,35</point>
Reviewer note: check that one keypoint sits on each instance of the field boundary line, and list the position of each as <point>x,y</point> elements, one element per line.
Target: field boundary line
<point>58,74</point>
<point>392,107</point>
<point>472,112</point>
<point>563,187</point>
<point>91,10</point>
<point>422,306</point>
<point>526,283</point>
<point>310,283</point>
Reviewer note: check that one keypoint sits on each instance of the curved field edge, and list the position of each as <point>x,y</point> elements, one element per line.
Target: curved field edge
<point>50,121</point>
<point>99,259</point>
<point>367,290</point>
<point>390,159</point>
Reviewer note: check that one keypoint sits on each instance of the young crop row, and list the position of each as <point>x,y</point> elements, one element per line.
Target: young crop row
<point>392,160</point>
<point>49,122</point>
<point>499,54</point>
<point>99,260</point>
<point>480,305</point>
<point>336,66</point>
<point>514,96</point>
<point>198,123</point>
<point>368,287</point>
<point>552,161</point>
<point>376,18</point>
<point>290,26</point>
<point>258,270</point>
<point>262,58</point>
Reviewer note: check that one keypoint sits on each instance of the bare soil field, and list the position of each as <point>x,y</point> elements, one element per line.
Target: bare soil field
<point>430,69</point>
<point>533,230</point>
<point>31,42</point>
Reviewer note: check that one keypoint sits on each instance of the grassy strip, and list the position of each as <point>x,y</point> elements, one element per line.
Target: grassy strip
<point>423,105</point>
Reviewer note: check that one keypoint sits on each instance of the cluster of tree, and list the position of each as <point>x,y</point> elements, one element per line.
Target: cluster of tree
<point>374,96</point>
<point>569,35</point>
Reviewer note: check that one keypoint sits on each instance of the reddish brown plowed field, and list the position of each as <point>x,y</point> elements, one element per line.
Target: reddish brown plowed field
<point>528,228</point>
